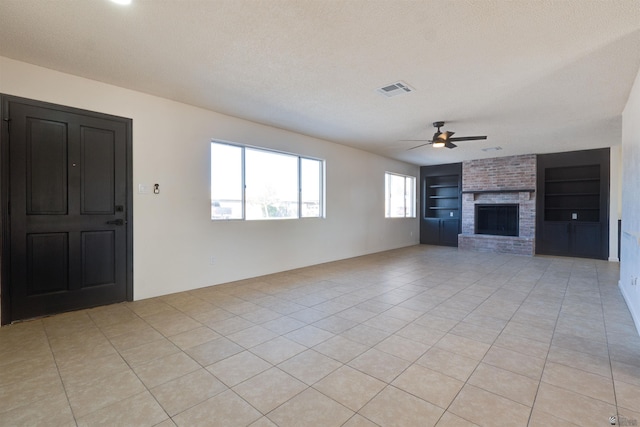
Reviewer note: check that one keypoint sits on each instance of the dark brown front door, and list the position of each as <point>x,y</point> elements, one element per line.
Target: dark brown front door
<point>66,231</point>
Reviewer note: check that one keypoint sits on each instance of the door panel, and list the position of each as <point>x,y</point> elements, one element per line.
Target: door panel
<point>98,254</point>
<point>98,171</point>
<point>46,174</point>
<point>47,263</point>
<point>68,205</point>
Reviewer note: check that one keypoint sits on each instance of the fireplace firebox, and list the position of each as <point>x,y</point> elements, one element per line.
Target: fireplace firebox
<point>497,219</point>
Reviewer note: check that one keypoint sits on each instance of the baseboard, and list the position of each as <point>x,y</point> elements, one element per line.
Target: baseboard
<point>635,315</point>
<point>613,259</point>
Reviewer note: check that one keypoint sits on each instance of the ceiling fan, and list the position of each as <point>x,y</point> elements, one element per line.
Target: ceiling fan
<point>444,139</point>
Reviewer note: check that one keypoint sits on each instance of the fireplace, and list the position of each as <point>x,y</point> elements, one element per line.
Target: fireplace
<point>487,184</point>
<point>497,219</point>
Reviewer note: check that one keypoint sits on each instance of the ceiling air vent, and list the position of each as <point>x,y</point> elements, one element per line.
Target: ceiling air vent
<point>394,89</point>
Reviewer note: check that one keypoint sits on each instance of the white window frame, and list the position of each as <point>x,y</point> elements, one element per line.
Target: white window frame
<point>300,158</point>
<point>412,204</point>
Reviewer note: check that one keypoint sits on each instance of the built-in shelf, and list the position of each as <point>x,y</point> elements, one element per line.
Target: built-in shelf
<point>572,204</point>
<point>572,180</point>
<point>442,196</point>
<point>441,204</point>
<point>572,209</point>
<point>571,194</point>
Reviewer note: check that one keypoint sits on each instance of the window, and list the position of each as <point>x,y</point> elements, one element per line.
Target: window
<point>226,182</point>
<point>311,184</point>
<point>400,199</point>
<point>254,183</point>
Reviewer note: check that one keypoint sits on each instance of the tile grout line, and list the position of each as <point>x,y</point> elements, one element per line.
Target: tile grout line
<point>64,387</point>
<point>129,365</point>
<point>466,382</point>
<point>606,336</point>
<point>405,270</point>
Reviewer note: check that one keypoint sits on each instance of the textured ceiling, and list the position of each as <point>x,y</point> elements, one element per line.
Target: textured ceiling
<point>535,76</point>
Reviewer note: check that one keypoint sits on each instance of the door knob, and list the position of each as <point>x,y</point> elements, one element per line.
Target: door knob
<point>116,222</point>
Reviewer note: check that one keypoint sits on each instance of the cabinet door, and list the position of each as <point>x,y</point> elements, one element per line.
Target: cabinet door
<point>555,238</point>
<point>430,231</point>
<point>586,239</point>
<point>449,232</point>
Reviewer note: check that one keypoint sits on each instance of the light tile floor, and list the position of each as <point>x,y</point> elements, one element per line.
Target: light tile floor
<point>419,336</point>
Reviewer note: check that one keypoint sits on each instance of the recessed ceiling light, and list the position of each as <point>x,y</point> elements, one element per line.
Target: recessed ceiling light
<point>122,2</point>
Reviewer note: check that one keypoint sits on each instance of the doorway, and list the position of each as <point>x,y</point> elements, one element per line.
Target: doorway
<point>66,209</point>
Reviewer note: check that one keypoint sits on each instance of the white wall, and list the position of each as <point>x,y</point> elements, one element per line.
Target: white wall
<point>630,240</point>
<point>615,200</point>
<point>174,237</point>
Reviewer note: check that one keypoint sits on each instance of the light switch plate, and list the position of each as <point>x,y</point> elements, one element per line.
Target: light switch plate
<point>574,215</point>
<point>144,189</point>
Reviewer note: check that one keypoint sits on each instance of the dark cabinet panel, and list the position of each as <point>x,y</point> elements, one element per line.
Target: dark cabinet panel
<point>573,204</point>
<point>572,238</point>
<point>441,204</point>
<point>436,231</point>
<point>430,231</point>
<point>587,239</point>
<point>555,238</point>
<point>449,230</point>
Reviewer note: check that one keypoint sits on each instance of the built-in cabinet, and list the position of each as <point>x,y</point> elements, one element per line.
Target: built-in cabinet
<point>572,204</point>
<point>441,204</point>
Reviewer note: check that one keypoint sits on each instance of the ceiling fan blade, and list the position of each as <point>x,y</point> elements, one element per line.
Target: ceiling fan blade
<point>468,138</point>
<point>444,139</point>
<point>442,136</point>
<point>418,146</point>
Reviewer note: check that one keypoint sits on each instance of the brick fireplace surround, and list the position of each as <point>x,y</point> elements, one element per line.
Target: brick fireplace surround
<point>498,181</point>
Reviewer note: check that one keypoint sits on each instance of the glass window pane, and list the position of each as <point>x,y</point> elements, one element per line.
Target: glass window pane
<point>226,181</point>
<point>396,196</point>
<point>311,188</point>
<point>271,181</point>
<point>387,195</point>
<point>410,194</point>
<point>400,193</point>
